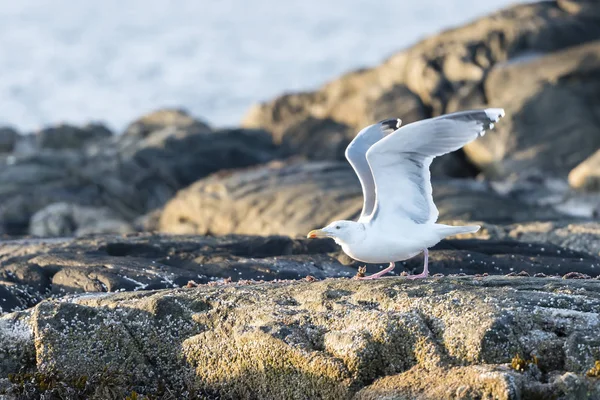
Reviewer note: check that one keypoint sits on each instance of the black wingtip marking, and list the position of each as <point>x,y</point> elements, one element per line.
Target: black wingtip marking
<point>392,123</point>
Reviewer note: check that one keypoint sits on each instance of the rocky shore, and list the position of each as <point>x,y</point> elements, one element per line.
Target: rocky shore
<point>338,338</point>
<point>170,260</point>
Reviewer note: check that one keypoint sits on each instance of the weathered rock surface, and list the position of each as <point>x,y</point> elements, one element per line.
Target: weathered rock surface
<point>336,339</point>
<point>586,176</point>
<point>538,60</point>
<point>293,198</point>
<point>287,199</point>
<point>34,269</point>
<point>19,296</point>
<point>131,174</point>
<point>578,236</point>
<point>16,348</point>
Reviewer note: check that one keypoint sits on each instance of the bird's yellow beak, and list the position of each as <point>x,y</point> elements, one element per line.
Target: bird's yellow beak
<point>317,233</point>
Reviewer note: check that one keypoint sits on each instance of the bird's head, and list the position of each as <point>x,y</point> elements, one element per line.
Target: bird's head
<point>343,232</point>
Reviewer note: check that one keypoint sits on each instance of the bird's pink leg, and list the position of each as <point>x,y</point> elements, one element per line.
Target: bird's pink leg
<point>425,272</point>
<point>378,274</point>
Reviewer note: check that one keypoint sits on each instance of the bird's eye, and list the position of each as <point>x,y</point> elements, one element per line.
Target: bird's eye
<point>337,227</point>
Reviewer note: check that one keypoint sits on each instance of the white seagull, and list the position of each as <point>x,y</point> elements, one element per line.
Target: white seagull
<point>398,219</point>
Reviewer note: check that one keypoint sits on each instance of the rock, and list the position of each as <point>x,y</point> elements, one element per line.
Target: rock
<point>536,188</point>
<point>148,222</point>
<point>316,139</point>
<point>33,269</point>
<point>19,273</point>
<point>399,101</point>
<point>551,110</point>
<point>16,345</point>
<point>66,136</point>
<point>339,338</point>
<point>481,381</point>
<point>168,160</point>
<point>531,59</point>
<point>37,180</point>
<point>586,176</point>
<point>575,235</point>
<point>27,144</point>
<point>17,297</point>
<point>159,120</point>
<point>8,139</point>
<point>293,198</point>
<point>504,257</point>
<point>130,175</point>
<point>464,199</point>
<point>287,199</point>
<point>65,219</point>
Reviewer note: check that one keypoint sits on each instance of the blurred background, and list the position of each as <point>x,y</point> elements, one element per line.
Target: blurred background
<point>111,61</point>
<point>223,117</point>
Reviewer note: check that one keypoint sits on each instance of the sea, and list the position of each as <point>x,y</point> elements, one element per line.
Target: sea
<point>110,61</point>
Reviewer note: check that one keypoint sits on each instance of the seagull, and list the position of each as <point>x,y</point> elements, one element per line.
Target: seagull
<point>398,218</point>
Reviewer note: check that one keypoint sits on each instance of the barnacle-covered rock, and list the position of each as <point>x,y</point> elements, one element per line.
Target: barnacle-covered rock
<point>338,338</point>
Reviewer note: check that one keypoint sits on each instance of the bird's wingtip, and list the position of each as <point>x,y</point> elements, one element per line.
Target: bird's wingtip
<point>494,114</point>
<point>391,123</point>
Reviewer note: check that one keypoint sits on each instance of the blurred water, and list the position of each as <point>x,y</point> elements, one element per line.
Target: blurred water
<point>112,60</point>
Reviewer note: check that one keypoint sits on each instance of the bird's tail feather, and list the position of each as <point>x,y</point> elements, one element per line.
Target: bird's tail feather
<point>447,230</point>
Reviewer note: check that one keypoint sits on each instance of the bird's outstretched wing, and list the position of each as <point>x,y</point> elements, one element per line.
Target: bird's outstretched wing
<point>400,161</point>
<point>356,153</point>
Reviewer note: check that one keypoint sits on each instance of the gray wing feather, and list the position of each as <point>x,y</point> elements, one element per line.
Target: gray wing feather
<point>400,162</point>
<point>356,154</point>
